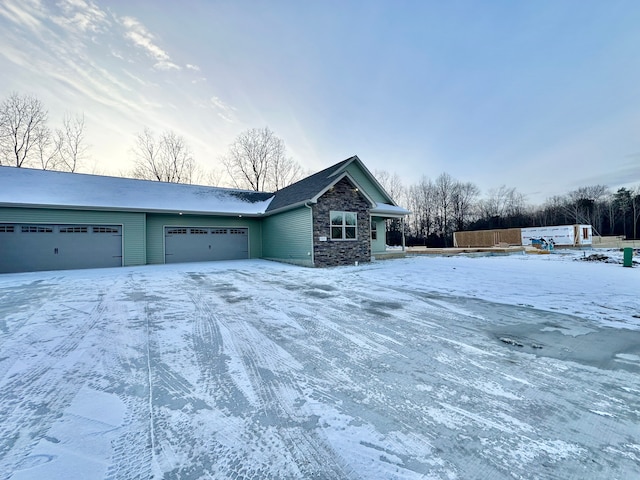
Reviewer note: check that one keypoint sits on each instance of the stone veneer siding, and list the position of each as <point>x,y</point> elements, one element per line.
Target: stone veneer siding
<point>342,197</point>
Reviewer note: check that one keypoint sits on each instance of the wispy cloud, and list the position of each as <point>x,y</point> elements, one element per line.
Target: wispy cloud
<point>81,15</point>
<point>195,68</point>
<point>223,110</point>
<point>142,38</point>
<point>20,12</point>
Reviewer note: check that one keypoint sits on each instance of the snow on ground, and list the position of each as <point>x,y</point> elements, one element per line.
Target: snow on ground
<point>428,367</point>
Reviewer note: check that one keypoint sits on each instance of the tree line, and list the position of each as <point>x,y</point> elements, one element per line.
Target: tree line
<point>444,205</point>
<point>27,140</point>
<point>258,160</point>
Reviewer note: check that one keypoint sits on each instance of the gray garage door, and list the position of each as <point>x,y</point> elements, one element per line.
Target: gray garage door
<point>203,244</point>
<point>26,248</point>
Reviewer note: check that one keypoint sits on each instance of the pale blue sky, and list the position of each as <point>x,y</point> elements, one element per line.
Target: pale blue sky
<point>539,95</point>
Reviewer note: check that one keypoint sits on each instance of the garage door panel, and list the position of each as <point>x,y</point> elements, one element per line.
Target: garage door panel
<point>203,244</point>
<point>59,247</point>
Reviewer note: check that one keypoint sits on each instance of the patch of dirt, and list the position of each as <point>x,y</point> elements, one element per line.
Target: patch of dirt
<point>598,257</point>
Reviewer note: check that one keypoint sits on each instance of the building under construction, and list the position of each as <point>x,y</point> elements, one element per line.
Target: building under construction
<point>560,235</point>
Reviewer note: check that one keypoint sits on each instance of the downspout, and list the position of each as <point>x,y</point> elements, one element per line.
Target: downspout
<point>306,204</point>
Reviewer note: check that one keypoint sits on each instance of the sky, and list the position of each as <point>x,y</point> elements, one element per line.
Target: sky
<point>541,95</point>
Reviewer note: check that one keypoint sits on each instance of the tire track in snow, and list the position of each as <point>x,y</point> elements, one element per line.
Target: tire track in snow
<point>33,398</point>
<point>268,369</point>
<point>211,359</point>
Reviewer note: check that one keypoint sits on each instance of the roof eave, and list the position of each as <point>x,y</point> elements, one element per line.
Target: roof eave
<point>131,210</point>
<point>293,206</point>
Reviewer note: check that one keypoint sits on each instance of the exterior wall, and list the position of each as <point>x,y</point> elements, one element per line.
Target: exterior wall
<point>487,238</point>
<point>343,197</point>
<point>380,244</point>
<point>562,235</point>
<point>287,237</point>
<point>157,222</point>
<point>585,239</point>
<point>133,225</point>
<point>364,182</point>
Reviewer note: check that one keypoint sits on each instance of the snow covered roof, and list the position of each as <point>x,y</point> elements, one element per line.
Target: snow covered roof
<point>25,187</point>
<point>385,209</point>
<point>38,188</point>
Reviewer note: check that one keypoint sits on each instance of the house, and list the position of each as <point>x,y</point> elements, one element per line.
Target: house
<point>56,220</point>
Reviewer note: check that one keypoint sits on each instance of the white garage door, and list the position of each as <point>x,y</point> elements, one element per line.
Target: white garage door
<point>203,244</point>
<point>27,247</point>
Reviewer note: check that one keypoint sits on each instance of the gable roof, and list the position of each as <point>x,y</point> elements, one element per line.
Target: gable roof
<point>25,187</point>
<point>306,189</point>
<point>309,189</point>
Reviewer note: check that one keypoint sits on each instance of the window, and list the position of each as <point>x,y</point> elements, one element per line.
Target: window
<point>198,231</point>
<point>343,225</point>
<point>73,230</point>
<point>35,229</point>
<point>374,230</point>
<point>177,231</point>
<point>6,229</point>
<point>219,231</point>
<point>105,229</point>
<point>237,231</point>
<point>585,233</point>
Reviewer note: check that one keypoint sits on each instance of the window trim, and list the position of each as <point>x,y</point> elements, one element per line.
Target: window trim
<point>374,230</point>
<point>343,226</point>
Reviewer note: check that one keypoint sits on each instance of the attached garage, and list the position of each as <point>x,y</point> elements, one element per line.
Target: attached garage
<point>31,247</point>
<point>203,244</point>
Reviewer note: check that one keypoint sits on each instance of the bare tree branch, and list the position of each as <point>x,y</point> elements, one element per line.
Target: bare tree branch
<point>70,144</point>
<point>22,124</point>
<point>257,160</point>
<point>167,159</point>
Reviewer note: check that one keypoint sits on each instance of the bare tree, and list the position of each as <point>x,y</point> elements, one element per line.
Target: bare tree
<point>70,143</point>
<point>463,199</point>
<point>503,202</point>
<point>257,160</point>
<point>421,201</point>
<point>167,159</point>
<point>284,171</point>
<point>47,149</point>
<point>444,186</point>
<point>391,182</point>
<point>635,205</point>
<point>22,124</point>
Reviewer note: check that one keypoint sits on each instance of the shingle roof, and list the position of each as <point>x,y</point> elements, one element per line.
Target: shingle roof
<point>307,188</point>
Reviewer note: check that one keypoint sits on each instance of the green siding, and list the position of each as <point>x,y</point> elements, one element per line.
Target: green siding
<point>157,222</point>
<point>288,236</point>
<point>369,187</point>
<point>379,245</point>
<point>133,225</point>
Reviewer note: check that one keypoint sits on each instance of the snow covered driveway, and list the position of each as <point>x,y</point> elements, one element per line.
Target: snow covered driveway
<point>438,368</point>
